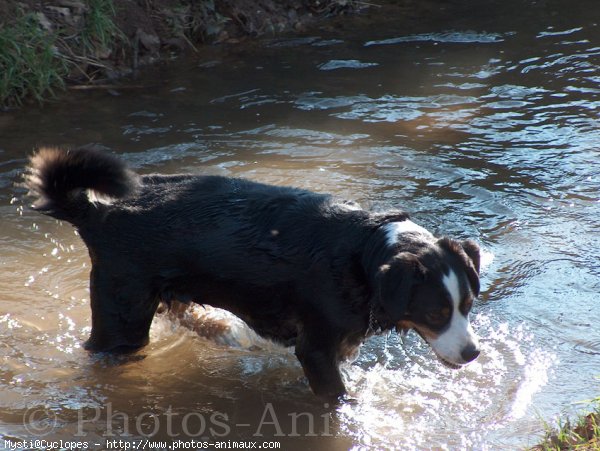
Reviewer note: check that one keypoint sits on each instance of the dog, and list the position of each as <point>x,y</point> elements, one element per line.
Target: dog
<point>302,269</point>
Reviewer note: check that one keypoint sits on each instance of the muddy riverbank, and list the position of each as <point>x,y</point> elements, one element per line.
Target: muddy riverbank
<point>46,46</point>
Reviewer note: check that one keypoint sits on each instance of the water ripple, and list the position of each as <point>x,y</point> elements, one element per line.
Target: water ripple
<point>345,64</point>
<point>460,37</point>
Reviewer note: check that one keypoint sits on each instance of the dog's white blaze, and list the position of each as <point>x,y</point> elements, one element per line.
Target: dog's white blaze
<point>459,334</point>
<point>393,229</point>
<point>450,281</point>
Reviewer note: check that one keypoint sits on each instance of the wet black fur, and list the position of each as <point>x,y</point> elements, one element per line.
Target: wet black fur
<point>301,268</point>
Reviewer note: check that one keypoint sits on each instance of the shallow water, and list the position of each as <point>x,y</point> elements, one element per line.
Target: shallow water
<point>482,124</point>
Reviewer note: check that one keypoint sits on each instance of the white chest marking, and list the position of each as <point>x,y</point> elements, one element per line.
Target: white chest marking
<point>393,229</point>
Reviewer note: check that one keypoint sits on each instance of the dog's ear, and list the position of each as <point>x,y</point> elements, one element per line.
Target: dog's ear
<point>472,250</point>
<point>395,281</point>
<point>468,252</point>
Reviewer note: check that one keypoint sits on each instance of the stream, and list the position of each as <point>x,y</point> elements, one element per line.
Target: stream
<point>482,122</point>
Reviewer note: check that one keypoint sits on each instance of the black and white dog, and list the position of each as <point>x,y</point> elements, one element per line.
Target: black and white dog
<point>300,268</point>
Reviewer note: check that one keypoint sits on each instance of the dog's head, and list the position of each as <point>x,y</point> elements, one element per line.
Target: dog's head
<point>432,292</point>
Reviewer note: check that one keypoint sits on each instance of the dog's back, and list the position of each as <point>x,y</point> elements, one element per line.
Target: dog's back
<point>257,250</point>
<point>225,220</point>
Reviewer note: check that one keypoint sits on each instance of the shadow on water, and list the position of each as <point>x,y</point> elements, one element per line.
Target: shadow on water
<point>481,123</point>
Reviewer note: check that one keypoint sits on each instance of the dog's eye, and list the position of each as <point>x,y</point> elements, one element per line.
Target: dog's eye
<point>438,317</point>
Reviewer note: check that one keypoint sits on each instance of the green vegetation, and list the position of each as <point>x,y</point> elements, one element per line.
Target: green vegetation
<point>29,62</point>
<point>44,45</point>
<point>100,31</point>
<point>36,54</point>
<point>581,435</point>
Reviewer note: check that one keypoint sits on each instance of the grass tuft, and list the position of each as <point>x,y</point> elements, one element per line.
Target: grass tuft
<point>581,435</point>
<point>30,65</point>
<point>35,58</point>
<point>100,31</point>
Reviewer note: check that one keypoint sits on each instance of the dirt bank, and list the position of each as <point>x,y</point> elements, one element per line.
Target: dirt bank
<point>47,45</point>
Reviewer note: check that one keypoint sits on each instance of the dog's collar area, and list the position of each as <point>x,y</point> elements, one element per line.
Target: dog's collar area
<point>376,325</point>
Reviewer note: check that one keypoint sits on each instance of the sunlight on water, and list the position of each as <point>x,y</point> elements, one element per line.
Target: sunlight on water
<point>430,399</point>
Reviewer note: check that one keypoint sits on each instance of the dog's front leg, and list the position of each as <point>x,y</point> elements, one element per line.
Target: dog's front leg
<point>318,357</point>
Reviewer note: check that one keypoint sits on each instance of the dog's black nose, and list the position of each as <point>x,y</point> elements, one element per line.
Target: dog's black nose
<point>469,353</point>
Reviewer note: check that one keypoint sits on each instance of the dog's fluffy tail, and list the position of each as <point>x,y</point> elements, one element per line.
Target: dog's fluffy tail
<point>63,181</point>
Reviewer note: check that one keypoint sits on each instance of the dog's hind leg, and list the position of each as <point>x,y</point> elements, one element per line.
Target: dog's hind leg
<point>318,356</point>
<point>122,311</point>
